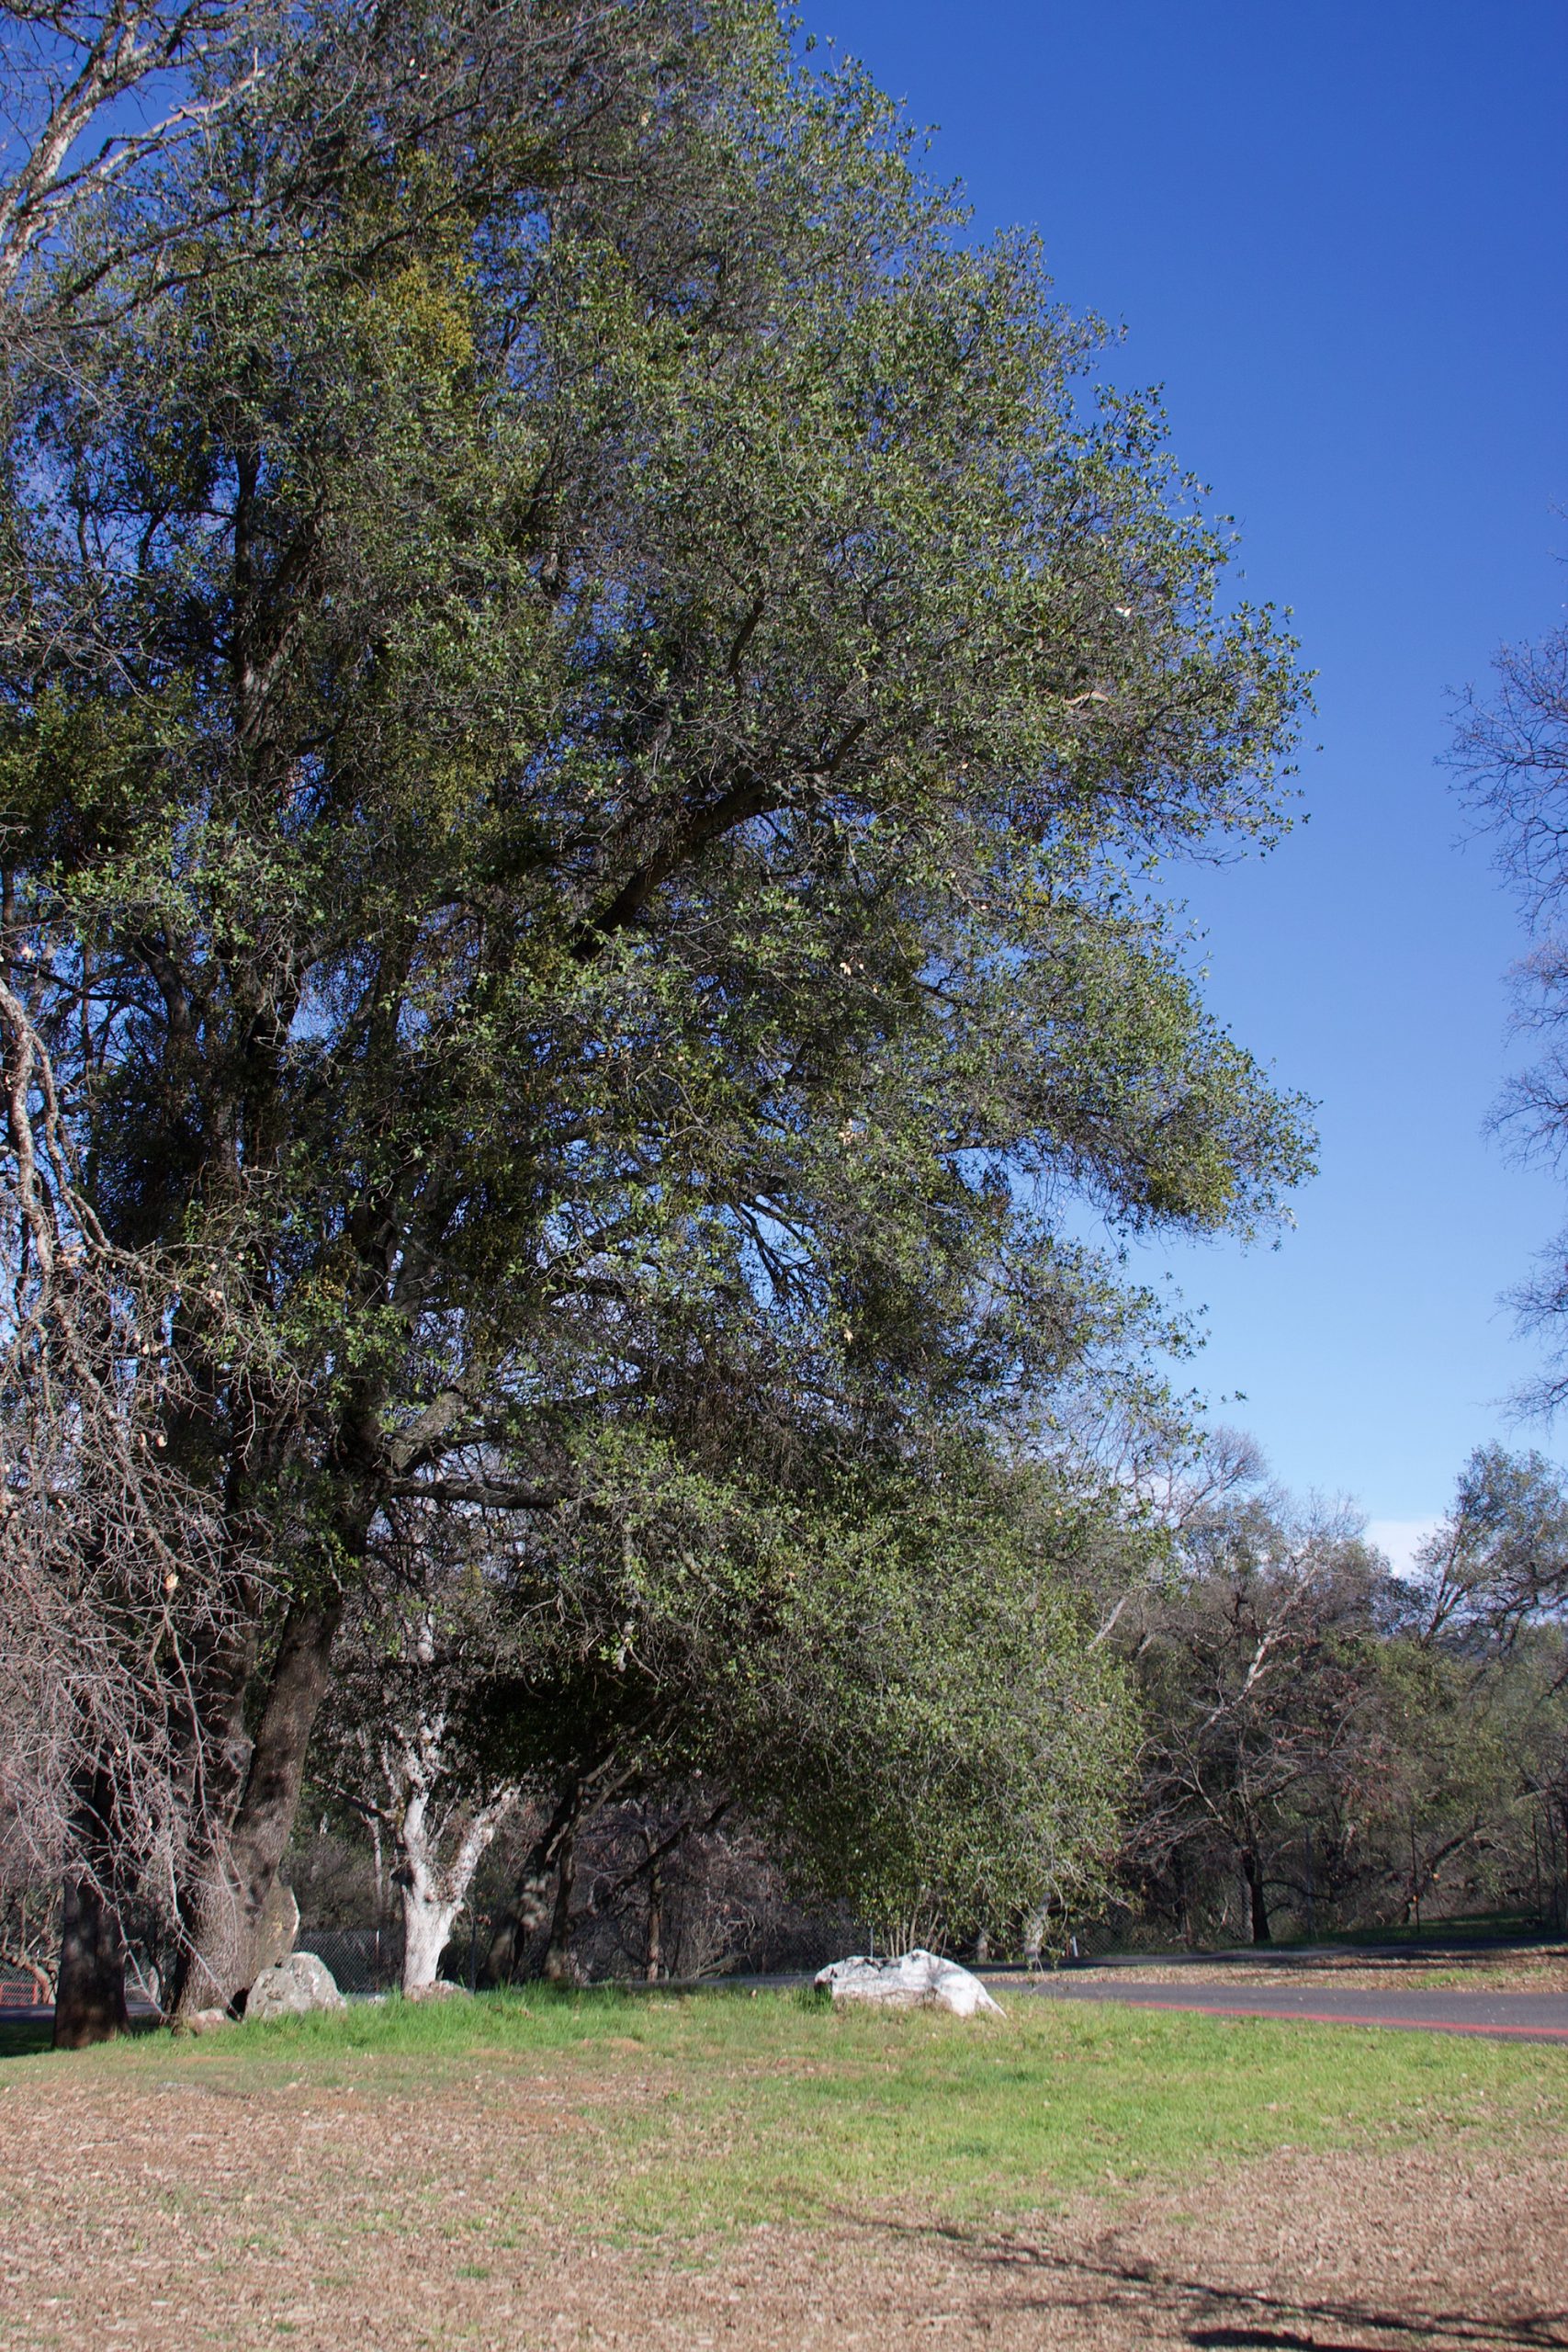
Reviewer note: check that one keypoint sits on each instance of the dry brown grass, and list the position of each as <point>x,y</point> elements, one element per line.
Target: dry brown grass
<point>175,2198</point>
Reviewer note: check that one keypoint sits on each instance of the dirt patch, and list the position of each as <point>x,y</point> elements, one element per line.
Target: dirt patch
<point>180,2214</point>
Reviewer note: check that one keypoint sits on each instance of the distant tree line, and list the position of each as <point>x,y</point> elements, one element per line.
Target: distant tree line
<point>1328,1745</point>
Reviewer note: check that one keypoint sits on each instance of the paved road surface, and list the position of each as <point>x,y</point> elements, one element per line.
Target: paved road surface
<point>1511,2017</point>
<point>32,2013</point>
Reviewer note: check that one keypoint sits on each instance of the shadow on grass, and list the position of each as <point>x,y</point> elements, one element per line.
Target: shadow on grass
<point>24,2036</point>
<point>1127,2285</point>
<point>31,2035</point>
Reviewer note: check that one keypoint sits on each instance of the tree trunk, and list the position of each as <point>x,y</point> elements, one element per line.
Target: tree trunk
<point>557,1952</point>
<point>432,1892</point>
<point>508,1946</point>
<point>1252,1872</point>
<point>529,1910</point>
<point>1183,1900</point>
<point>89,1983</point>
<point>89,1995</point>
<point>655,1923</point>
<point>216,1966</point>
<point>427,1930</point>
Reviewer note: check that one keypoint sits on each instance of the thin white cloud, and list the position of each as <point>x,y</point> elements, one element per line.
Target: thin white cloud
<point>1400,1539</point>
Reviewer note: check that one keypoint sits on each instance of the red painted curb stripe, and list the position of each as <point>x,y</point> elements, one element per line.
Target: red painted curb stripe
<point>1326,2017</point>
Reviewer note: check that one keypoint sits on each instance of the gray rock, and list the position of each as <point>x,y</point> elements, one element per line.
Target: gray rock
<point>441,1989</point>
<point>276,1930</point>
<point>293,1988</point>
<point>916,1979</point>
<point>207,2021</point>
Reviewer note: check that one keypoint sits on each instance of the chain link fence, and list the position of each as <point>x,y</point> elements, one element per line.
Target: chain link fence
<point>360,1960</point>
<point>18,1989</point>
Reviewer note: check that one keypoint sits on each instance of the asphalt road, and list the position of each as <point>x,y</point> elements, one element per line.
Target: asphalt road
<point>34,2014</point>
<point>1508,2016</point>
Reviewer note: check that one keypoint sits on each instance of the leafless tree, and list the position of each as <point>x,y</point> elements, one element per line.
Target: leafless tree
<point>1511,756</point>
<point>113,1575</point>
<point>1259,1706</point>
<point>1511,753</point>
<point>90,91</point>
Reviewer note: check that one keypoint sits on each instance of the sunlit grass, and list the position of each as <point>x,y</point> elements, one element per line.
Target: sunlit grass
<point>716,2110</point>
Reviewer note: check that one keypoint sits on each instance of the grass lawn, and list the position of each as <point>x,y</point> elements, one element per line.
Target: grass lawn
<point>548,2173</point>
<point>706,2112</point>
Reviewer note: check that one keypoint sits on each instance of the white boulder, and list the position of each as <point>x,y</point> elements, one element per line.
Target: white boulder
<point>293,1988</point>
<point>916,1979</point>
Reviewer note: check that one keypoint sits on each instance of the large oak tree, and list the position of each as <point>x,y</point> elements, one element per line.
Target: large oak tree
<point>594,694</point>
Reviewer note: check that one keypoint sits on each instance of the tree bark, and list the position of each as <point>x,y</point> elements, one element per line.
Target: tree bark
<point>508,1948</point>
<point>216,1966</point>
<point>655,1923</point>
<point>434,1893</point>
<point>427,1930</point>
<point>557,1951</point>
<point>89,1995</point>
<point>89,1983</point>
<point>1252,1872</point>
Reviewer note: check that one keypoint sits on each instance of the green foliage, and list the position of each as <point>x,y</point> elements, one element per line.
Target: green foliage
<point>1355,1746</point>
<point>601,791</point>
<point>894,1681</point>
<point>963,1749</point>
<point>592,703</point>
<point>1500,1558</point>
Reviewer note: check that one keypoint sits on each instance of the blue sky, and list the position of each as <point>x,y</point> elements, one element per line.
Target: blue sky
<point>1337,235</point>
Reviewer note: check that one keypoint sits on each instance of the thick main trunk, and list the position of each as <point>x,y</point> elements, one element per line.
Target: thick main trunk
<point>242,1865</point>
<point>89,1995</point>
<point>427,1930</point>
<point>89,1984</point>
<point>434,1891</point>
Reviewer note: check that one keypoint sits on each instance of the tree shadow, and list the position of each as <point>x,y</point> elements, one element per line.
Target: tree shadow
<point>1093,2279</point>
<point>25,2035</point>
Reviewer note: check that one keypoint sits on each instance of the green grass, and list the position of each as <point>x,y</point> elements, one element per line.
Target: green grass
<point>1482,1927</point>
<point>714,2111</point>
